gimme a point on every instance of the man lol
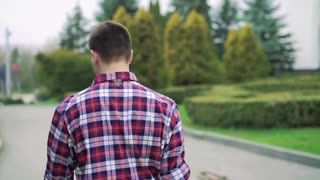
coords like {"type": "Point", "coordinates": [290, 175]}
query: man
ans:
{"type": "Point", "coordinates": [117, 128]}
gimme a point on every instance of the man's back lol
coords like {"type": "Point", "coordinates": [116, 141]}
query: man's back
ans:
{"type": "Point", "coordinates": [117, 129]}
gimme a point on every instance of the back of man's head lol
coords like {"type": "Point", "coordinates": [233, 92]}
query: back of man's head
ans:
{"type": "Point", "coordinates": [111, 41]}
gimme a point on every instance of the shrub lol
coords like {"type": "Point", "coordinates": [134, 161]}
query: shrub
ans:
{"type": "Point", "coordinates": [42, 94]}
{"type": "Point", "coordinates": [10, 101]}
{"type": "Point", "coordinates": [285, 83]}
{"type": "Point", "coordinates": [148, 63]}
{"type": "Point", "coordinates": [244, 58]}
{"type": "Point", "coordinates": [232, 106]}
{"type": "Point", "coordinates": [63, 71]}
{"type": "Point", "coordinates": [173, 46]}
{"type": "Point", "coordinates": [199, 63]}
{"type": "Point", "coordinates": [178, 94]}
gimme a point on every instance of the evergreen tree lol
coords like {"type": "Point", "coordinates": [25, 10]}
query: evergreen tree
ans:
{"type": "Point", "coordinates": [245, 58]}
{"type": "Point", "coordinates": [159, 20]}
{"type": "Point", "coordinates": [199, 64]}
{"type": "Point", "coordinates": [146, 63]}
{"type": "Point", "coordinates": [109, 7]}
{"type": "Point", "coordinates": [268, 28]}
{"type": "Point", "coordinates": [121, 16]}
{"type": "Point", "coordinates": [224, 18]}
{"type": "Point", "coordinates": [230, 57]}
{"type": "Point", "coordinates": [173, 44]}
{"type": "Point", "coordinates": [74, 37]}
{"type": "Point", "coordinates": [185, 7]}
{"type": "Point", "coordinates": [154, 8]}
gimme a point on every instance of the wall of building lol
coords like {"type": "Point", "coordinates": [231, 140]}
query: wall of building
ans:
{"type": "Point", "coordinates": [303, 19]}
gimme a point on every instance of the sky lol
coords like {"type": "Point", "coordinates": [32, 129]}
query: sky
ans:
{"type": "Point", "coordinates": [36, 23]}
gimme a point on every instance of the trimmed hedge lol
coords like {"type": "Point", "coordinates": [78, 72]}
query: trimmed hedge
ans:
{"type": "Point", "coordinates": [302, 113]}
{"type": "Point", "coordinates": [178, 94]}
{"type": "Point", "coordinates": [285, 83]}
{"type": "Point", "coordinates": [10, 101]}
{"type": "Point", "coordinates": [232, 106]}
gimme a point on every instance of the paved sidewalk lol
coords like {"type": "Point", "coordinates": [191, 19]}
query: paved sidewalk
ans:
{"type": "Point", "coordinates": [238, 164]}
{"type": "Point", "coordinates": [24, 131]}
{"type": "Point", "coordinates": [261, 149]}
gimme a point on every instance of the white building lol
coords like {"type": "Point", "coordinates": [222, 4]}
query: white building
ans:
{"type": "Point", "coordinates": [302, 18]}
{"type": "Point", "coordinates": [303, 21]}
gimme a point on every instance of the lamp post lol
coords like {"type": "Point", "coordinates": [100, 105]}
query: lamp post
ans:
{"type": "Point", "coordinates": [8, 65]}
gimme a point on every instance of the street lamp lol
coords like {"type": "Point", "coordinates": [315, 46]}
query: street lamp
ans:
{"type": "Point", "coordinates": [8, 64]}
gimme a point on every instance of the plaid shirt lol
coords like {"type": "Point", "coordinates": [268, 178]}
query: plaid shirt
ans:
{"type": "Point", "coordinates": [116, 129]}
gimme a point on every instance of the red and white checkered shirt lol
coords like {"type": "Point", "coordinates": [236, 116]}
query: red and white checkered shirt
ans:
{"type": "Point", "coordinates": [116, 129]}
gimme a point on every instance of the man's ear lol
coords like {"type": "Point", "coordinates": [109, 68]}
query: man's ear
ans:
{"type": "Point", "coordinates": [94, 57]}
{"type": "Point", "coordinates": [131, 57]}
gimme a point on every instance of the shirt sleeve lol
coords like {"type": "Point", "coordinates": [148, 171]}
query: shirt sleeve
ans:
{"type": "Point", "coordinates": [60, 163]}
{"type": "Point", "coordinates": [173, 165]}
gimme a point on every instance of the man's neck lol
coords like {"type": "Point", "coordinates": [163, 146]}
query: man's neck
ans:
{"type": "Point", "coordinates": [114, 67]}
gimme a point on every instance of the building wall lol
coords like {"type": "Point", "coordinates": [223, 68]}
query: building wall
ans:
{"type": "Point", "coordinates": [303, 19]}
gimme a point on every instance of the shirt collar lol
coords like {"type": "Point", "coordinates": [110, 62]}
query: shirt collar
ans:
{"type": "Point", "coordinates": [115, 76]}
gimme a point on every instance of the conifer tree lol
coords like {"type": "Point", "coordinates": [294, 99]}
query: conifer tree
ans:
{"type": "Point", "coordinates": [199, 64]}
{"type": "Point", "coordinates": [121, 16]}
{"type": "Point", "coordinates": [184, 7]}
{"type": "Point", "coordinates": [268, 28]}
{"type": "Point", "coordinates": [224, 18]}
{"type": "Point", "coordinates": [230, 58]}
{"type": "Point", "coordinates": [74, 36]}
{"type": "Point", "coordinates": [154, 8]}
{"type": "Point", "coordinates": [245, 58]}
{"type": "Point", "coordinates": [173, 44]}
{"type": "Point", "coordinates": [147, 64]}
{"type": "Point", "coordinates": [109, 7]}
{"type": "Point", "coordinates": [159, 20]}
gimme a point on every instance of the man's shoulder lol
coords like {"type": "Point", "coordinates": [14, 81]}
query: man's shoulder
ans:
{"type": "Point", "coordinates": [70, 101]}
{"type": "Point", "coordinates": [161, 98]}
{"type": "Point", "coordinates": [164, 98]}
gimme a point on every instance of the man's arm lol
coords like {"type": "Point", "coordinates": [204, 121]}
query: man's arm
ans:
{"type": "Point", "coordinates": [173, 165]}
{"type": "Point", "coordinates": [59, 154]}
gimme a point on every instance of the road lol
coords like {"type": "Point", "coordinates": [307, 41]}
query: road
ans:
{"type": "Point", "coordinates": [24, 131]}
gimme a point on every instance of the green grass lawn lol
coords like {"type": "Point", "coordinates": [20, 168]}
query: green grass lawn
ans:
{"type": "Point", "coordinates": [301, 139]}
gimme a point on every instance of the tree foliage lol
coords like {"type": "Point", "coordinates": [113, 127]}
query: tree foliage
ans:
{"type": "Point", "coordinates": [147, 63]}
{"type": "Point", "coordinates": [58, 70]}
{"type": "Point", "coordinates": [74, 36]}
{"type": "Point", "coordinates": [269, 30]}
{"type": "Point", "coordinates": [198, 64]}
{"type": "Point", "coordinates": [224, 18]}
{"type": "Point", "coordinates": [154, 8]}
{"type": "Point", "coordinates": [109, 7]}
{"type": "Point", "coordinates": [244, 58]}
{"type": "Point", "coordinates": [173, 44]}
{"type": "Point", "coordinates": [230, 57]}
{"type": "Point", "coordinates": [121, 16]}
{"type": "Point", "coordinates": [185, 7]}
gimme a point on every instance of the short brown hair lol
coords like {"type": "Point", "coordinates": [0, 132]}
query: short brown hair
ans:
{"type": "Point", "coordinates": [111, 41]}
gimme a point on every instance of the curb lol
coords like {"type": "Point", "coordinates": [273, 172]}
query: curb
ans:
{"type": "Point", "coordinates": [262, 149]}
